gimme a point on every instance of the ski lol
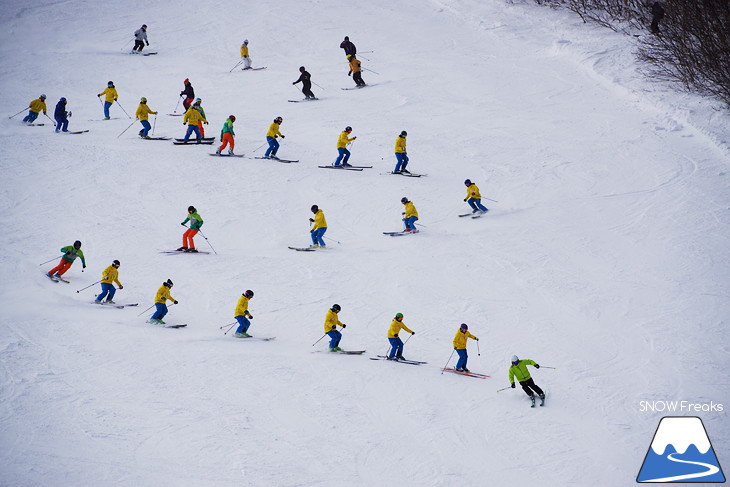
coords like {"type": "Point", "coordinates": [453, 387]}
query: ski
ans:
{"type": "Point", "coordinates": [61, 279]}
{"type": "Point", "coordinates": [104, 119]}
{"type": "Point", "coordinates": [468, 374]}
{"type": "Point", "coordinates": [360, 167]}
{"type": "Point", "coordinates": [303, 249]}
{"type": "Point", "coordinates": [76, 132]}
{"type": "Point", "coordinates": [149, 53]}
{"type": "Point", "coordinates": [195, 142]}
{"type": "Point", "coordinates": [408, 175]}
{"type": "Point", "coordinates": [192, 140]}
{"type": "Point", "coordinates": [303, 100]}
{"type": "Point", "coordinates": [383, 357]}
{"type": "Point", "coordinates": [356, 87]}
{"type": "Point", "coordinates": [52, 278]}
{"type": "Point", "coordinates": [397, 234]}
{"type": "Point", "coordinates": [227, 155]}
{"type": "Point", "coordinates": [350, 352]}
{"type": "Point", "coordinates": [344, 168]}
{"type": "Point", "coordinates": [35, 124]}
{"type": "Point", "coordinates": [182, 252]}
{"type": "Point", "coordinates": [175, 114]}
{"type": "Point", "coordinates": [466, 214]}
{"type": "Point", "coordinates": [278, 160]}
{"type": "Point", "coordinates": [262, 339]}
{"type": "Point", "coordinates": [254, 69]}
{"type": "Point", "coordinates": [479, 214]}
{"type": "Point", "coordinates": [175, 326]}
{"type": "Point", "coordinates": [155, 138]}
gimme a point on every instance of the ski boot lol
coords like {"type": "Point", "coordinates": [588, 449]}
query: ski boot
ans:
{"type": "Point", "coordinates": [182, 249]}
{"type": "Point", "coordinates": [532, 398]}
{"type": "Point", "coordinates": [192, 250]}
{"type": "Point", "coordinates": [542, 399]}
{"type": "Point", "coordinates": [217, 152]}
{"type": "Point", "coordinates": [230, 152]}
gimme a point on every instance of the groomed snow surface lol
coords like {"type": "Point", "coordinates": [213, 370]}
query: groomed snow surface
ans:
{"type": "Point", "coordinates": [605, 256]}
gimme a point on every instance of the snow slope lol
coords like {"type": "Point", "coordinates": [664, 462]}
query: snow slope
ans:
{"type": "Point", "coordinates": [603, 256]}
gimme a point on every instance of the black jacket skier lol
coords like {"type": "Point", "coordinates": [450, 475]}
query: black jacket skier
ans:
{"type": "Point", "coordinates": [348, 46]}
{"type": "Point", "coordinates": [304, 78]}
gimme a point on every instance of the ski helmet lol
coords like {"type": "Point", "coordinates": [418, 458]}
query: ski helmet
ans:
{"type": "Point", "coordinates": [467, 182]}
{"type": "Point", "coordinates": [167, 283]}
{"type": "Point", "coordinates": [143, 100]}
{"type": "Point", "coordinates": [77, 244]}
{"type": "Point", "coordinates": [315, 208]}
{"type": "Point", "coordinates": [110, 83]}
{"type": "Point", "coordinates": [399, 316]}
{"type": "Point", "coordinates": [404, 200]}
{"type": "Point", "coordinates": [248, 294]}
{"type": "Point", "coordinates": [245, 41]}
{"type": "Point", "coordinates": [63, 99]}
{"type": "Point", "coordinates": [198, 101]}
{"type": "Point", "coordinates": [43, 96]}
{"type": "Point", "coordinates": [232, 117]}
{"type": "Point", "coordinates": [348, 129]}
{"type": "Point", "coordinates": [515, 360]}
{"type": "Point", "coordinates": [186, 81]}
{"type": "Point", "coordinates": [278, 120]}
{"type": "Point", "coordinates": [464, 326]}
{"type": "Point", "coordinates": [403, 134]}
{"type": "Point", "coordinates": [115, 263]}
{"type": "Point", "coordinates": [302, 69]}
{"type": "Point", "coordinates": [336, 308]}
{"type": "Point", "coordinates": [347, 38]}
{"type": "Point", "coordinates": [191, 209]}
{"type": "Point", "coordinates": [144, 26]}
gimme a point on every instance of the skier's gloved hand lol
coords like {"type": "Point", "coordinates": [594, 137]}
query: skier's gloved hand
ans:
{"type": "Point", "coordinates": [175, 302]}
{"type": "Point", "coordinates": [466, 199]}
{"type": "Point", "coordinates": [348, 74]}
{"type": "Point", "coordinates": [121, 287]}
{"type": "Point", "coordinates": [475, 338]}
{"type": "Point", "coordinates": [311, 220]}
{"type": "Point", "coordinates": [83, 266]}
{"type": "Point", "coordinates": [344, 325]}
{"type": "Point", "coordinates": [454, 348]}
{"type": "Point", "coordinates": [283, 136]}
{"type": "Point", "coordinates": [513, 385]}
{"type": "Point", "coordinates": [413, 333]}
{"type": "Point", "coordinates": [334, 327]}
{"type": "Point", "coordinates": [183, 223]}
{"type": "Point", "coordinates": [537, 366]}
{"type": "Point", "coordinates": [147, 43]}
{"type": "Point", "coordinates": [250, 317]}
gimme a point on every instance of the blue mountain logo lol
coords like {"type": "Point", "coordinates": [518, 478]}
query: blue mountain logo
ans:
{"type": "Point", "coordinates": [680, 452]}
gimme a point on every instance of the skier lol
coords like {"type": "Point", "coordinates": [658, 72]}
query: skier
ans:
{"type": "Point", "coordinates": [241, 313]}
{"type": "Point", "coordinates": [348, 46]}
{"type": "Point", "coordinates": [61, 116]}
{"type": "Point", "coordinates": [331, 320]}
{"type": "Point", "coordinates": [460, 346]}
{"type": "Point", "coordinates": [193, 118]}
{"type": "Point", "coordinates": [34, 108]}
{"type": "Point", "coordinates": [244, 55]}
{"type": "Point", "coordinates": [197, 105]}
{"type": "Point", "coordinates": [401, 156]}
{"type": "Point", "coordinates": [657, 14]}
{"type": "Point", "coordinates": [318, 228]}
{"type": "Point", "coordinates": [355, 70]}
{"type": "Point", "coordinates": [143, 115]}
{"type": "Point", "coordinates": [474, 198]}
{"type": "Point", "coordinates": [227, 135]}
{"type": "Point", "coordinates": [342, 142]}
{"type": "Point", "coordinates": [189, 93]}
{"type": "Point", "coordinates": [271, 138]}
{"type": "Point", "coordinates": [305, 78]}
{"type": "Point", "coordinates": [109, 276]}
{"type": "Point", "coordinates": [409, 216]}
{"type": "Point", "coordinates": [163, 294]}
{"type": "Point", "coordinates": [396, 344]}
{"type": "Point", "coordinates": [518, 370]}
{"type": "Point", "coordinates": [70, 253]}
{"type": "Point", "coordinates": [140, 38]}
{"type": "Point", "coordinates": [195, 223]}
{"type": "Point", "coordinates": [110, 96]}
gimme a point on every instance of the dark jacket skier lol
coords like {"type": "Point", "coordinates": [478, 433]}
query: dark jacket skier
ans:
{"type": "Point", "coordinates": [304, 78]}
{"type": "Point", "coordinates": [189, 94]}
{"type": "Point", "coordinates": [349, 47]}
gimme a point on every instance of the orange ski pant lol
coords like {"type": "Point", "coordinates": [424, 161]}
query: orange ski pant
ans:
{"type": "Point", "coordinates": [227, 140]}
{"type": "Point", "coordinates": [188, 238]}
{"type": "Point", "coordinates": [61, 268]}
{"type": "Point", "coordinates": [202, 131]}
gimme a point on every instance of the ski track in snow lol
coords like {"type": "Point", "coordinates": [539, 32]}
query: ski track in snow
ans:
{"type": "Point", "coordinates": [603, 256]}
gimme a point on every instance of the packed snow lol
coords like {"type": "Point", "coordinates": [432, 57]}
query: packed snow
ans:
{"type": "Point", "coordinates": [604, 254]}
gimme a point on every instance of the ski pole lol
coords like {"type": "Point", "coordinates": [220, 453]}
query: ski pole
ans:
{"type": "Point", "coordinates": [206, 239]}
{"type": "Point", "coordinates": [230, 327]}
{"type": "Point", "coordinates": [143, 312]}
{"type": "Point", "coordinates": [154, 124]}
{"type": "Point", "coordinates": [479, 354]}
{"type": "Point", "coordinates": [447, 362]}
{"type": "Point", "coordinates": [130, 126]}
{"type": "Point", "coordinates": [257, 148]}
{"type": "Point", "coordinates": [125, 44]}
{"type": "Point", "coordinates": [87, 287]}
{"type": "Point", "coordinates": [24, 109]}
{"type": "Point", "coordinates": [227, 324]}
{"type": "Point", "coordinates": [333, 240]}
{"type": "Point", "coordinates": [234, 67]}
{"type": "Point", "coordinates": [46, 262]}
{"type": "Point", "coordinates": [366, 52]}
{"type": "Point", "coordinates": [125, 111]}
{"type": "Point", "coordinates": [490, 199]}
{"type": "Point", "coordinates": [504, 389]}
{"type": "Point", "coordinates": [99, 98]}
{"type": "Point", "coordinates": [546, 367]}
{"type": "Point", "coordinates": [315, 84]}
{"type": "Point", "coordinates": [178, 104]}
{"type": "Point", "coordinates": [375, 72]}
{"type": "Point", "coordinates": [313, 344]}
{"type": "Point", "coordinates": [49, 118]}
{"type": "Point", "coordinates": [363, 57]}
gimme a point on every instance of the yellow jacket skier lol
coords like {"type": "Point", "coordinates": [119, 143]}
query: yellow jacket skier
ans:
{"type": "Point", "coordinates": [108, 277]}
{"type": "Point", "coordinates": [331, 321]}
{"type": "Point", "coordinates": [396, 344]}
{"type": "Point", "coordinates": [163, 294]}
{"type": "Point", "coordinates": [460, 346]}
{"type": "Point", "coordinates": [242, 313]}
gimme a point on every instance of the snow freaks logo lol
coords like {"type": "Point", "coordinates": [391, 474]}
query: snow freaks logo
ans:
{"type": "Point", "coordinates": [680, 452]}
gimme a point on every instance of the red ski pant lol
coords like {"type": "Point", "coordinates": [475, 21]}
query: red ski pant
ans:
{"type": "Point", "coordinates": [61, 268]}
{"type": "Point", "coordinates": [227, 140]}
{"type": "Point", "coordinates": [188, 238]}
{"type": "Point", "coordinates": [202, 130]}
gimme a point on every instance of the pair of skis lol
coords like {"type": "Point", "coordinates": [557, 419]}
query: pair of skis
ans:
{"type": "Point", "coordinates": [182, 252]}
{"type": "Point", "coordinates": [464, 372]}
{"type": "Point", "coordinates": [118, 306]}
{"type": "Point", "coordinates": [286, 161]}
{"type": "Point", "coordinates": [399, 360]}
{"type": "Point", "coordinates": [346, 168]}
{"type": "Point", "coordinates": [474, 215]}
{"type": "Point", "coordinates": [167, 326]}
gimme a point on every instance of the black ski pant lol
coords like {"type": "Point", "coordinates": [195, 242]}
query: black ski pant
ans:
{"type": "Point", "coordinates": [138, 45]}
{"type": "Point", "coordinates": [529, 385]}
{"type": "Point", "coordinates": [358, 79]}
{"type": "Point", "coordinates": [307, 90]}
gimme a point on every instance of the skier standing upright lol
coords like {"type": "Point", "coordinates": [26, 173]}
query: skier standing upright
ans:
{"type": "Point", "coordinates": [349, 47]}
{"type": "Point", "coordinates": [410, 215]}
{"type": "Point", "coordinates": [518, 370]}
{"type": "Point", "coordinates": [244, 55]}
{"type": "Point", "coordinates": [189, 93]}
{"type": "Point", "coordinates": [331, 320]}
{"type": "Point", "coordinates": [401, 156]}
{"type": "Point", "coordinates": [110, 96]}
{"type": "Point", "coordinates": [108, 277]}
{"type": "Point", "coordinates": [61, 116]}
{"type": "Point", "coordinates": [460, 346]}
{"type": "Point", "coordinates": [271, 136]}
{"type": "Point", "coordinates": [227, 136]}
{"type": "Point", "coordinates": [355, 70]}
{"type": "Point", "coordinates": [343, 155]}
{"type": "Point", "coordinates": [474, 197]}
{"type": "Point", "coordinates": [305, 79]}
{"type": "Point", "coordinates": [319, 226]}
{"type": "Point", "coordinates": [163, 294]}
{"type": "Point", "coordinates": [140, 38]}
{"type": "Point", "coordinates": [241, 314]}
{"type": "Point", "coordinates": [193, 119]}
{"type": "Point", "coordinates": [188, 245]}
{"type": "Point", "coordinates": [143, 115]}
{"type": "Point", "coordinates": [396, 344]}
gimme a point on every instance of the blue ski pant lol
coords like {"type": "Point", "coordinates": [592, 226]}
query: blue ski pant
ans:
{"type": "Point", "coordinates": [461, 363]}
{"type": "Point", "coordinates": [317, 236]}
{"type": "Point", "coordinates": [335, 337]}
{"type": "Point", "coordinates": [107, 104]}
{"type": "Point", "coordinates": [30, 118]}
{"type": "Point", "coordinates": [476, 204]}
{"type": "Point", "coordinates": [191, 129]}
{"type": "Point", "coordinates": [161, 311]}
{"type": "Point", "coordinates": [61, 124]}
{"type": "Point", "coordinates": [402, 159]}
{"type": "Point", "coordinates": [107, 291]}
{"type": "Point", "coordinates": [273, 146]}
{"type": "Point", "coordinates": [146, 127]}
{"type": "Point", "coordinates": [343, 156]}
{"type": "Point", "coordinates": [410, 222]}
{"type": "Point", "coordinates": [243, 324]}
{"type": "Point", "coordinates": [396, 347]}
